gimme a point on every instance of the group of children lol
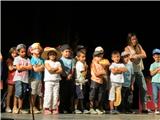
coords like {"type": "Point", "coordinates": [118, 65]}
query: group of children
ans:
{"type": "Point", "coordinates": [65, 80]}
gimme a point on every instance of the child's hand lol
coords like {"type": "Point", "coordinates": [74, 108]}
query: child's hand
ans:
{"type": "Point", "coordinates": [132, 87]}
{"type": "Point", "coordinates": [69, 76]}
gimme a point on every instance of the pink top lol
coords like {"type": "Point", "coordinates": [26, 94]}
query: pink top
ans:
{"type": "Point", "coordinates": [10, 73]}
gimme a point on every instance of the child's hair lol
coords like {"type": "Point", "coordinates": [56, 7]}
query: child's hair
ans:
{"type": "Point", "coordinates": [20, 46]}
{"type": "Point", "coordinates": [80, 52]}
{"type": "Point", "coordinates": [115, 52]}
{"type": "Point", "coordinates": [12, 49]}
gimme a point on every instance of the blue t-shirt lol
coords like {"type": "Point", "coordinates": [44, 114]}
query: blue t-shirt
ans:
{"type": "Point", "coordinates": [156, 77]}
{"type": "Point", "coordinates": [36, 61]}
{"type": "Point", "coordinates": [128, 74]}
{"type": "Point", "coordinates": [67, 65]}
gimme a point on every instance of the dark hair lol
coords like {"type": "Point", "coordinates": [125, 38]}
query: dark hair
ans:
{"type": "Point", "coordinates": [80, 52]}
{"type": "Point", "coordinates": [10, 52]}
{"type": "Point", "coordinates": [52, 53]}
{"type": "Point", "coordinates": [115, 52]}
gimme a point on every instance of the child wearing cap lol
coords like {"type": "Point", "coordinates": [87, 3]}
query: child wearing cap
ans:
{"type": "Point", "coordinates": [97, 86]}
{"type": "Point", "coordinates": [36, 75]}
{"type": "Point", "coordinates": [128, 85]}
{"type": "Point", "coordinates": [117, 69]}
{"type": "Point", "coordinates": [52, 78]}
{"type": "Point", "coordinates": [155, 73]}
{"type": "Point", "coordinates": [67, 83]}
{"type": "Point", "coordinates": [21, 77]}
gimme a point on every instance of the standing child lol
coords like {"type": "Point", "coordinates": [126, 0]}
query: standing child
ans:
{"type": "Point", "coordinates": [36, 75]}
{"type": "Point", "coordinates": [97, 87]}
{"type": "Point", "coordinates": [11, 73]}
{"type": "Point", "coordinates": [128, 85]}
{"type": "Point", "coordinates": [155, 73]}
{"type": "Point", "coordinates": [67, 83]}
{"type": "Point", "coordinates": [51, 78]}
{"type": "Point", "coordinates": [81, 71]}
{"type": "Point", "coordinates": [117, 69]}
{"type": "Point", "coordinates": [22, 64]}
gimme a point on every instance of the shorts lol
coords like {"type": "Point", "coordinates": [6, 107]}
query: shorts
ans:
{"type": "Point", "coordinates": [36, 87]}
{"type": "Point", "coordinates": [79, 92]}
{"type": "Point", "coordinates": [21, 89]}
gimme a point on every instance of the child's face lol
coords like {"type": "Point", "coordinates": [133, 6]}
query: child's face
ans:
{"type": "Point", "coordinates": [99, 57]}
{"type": "Point", "coordinates": [52, 56]}
{"type": "Point", "coordinates": [22, 52]}
{"type": "Point", "coordinates": [125, 59]}
{"type": "Point", "coordinates": [134, 40]}
{"type": "Point", "coordinates": [82, 57]}
{"type": "Point", "coordinates": [116, 58]}
{"type": "Point", "coordinates": [66, 53]}
{"type": "Point", "coordinates": [14, 54]}
{"type": "Point", "coordinates": [156, 57]}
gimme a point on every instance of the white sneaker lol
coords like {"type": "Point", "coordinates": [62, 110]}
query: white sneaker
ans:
{"type": "Point", "coordinates": [157, 112]}
{"type": "Point", "coordinates": [86, 111]}
{"type": "Point", "coordinates": [92, 111]}
{"type": "Point", "coordinates": [77, 112]}
{"type": "Point", "coordinates": [8, 110]}
{"type": "Point", "coordinates": [99, 111]}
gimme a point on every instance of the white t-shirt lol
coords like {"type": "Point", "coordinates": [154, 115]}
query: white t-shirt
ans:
{"type": "Point", "coordinates": [79, 68]}
{"type": "Point", "coordinates": [21, 75]}
{"type": "Point", "coordinates": [116, 78]}
{"type": "Point", "coordinates": [52, 77]}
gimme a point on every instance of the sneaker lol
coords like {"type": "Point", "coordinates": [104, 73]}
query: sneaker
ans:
{"type": "Point", "coordinates": [15, 110]}
{"type": "Point", "coordinates": [92, 111]}
{"type": "Point", "coordinates": [86, 111]}
{"type": "Point", "coordinates": [35, 110]}
{"type": "Point", "coordinates": [47, 112]}
{"type": "Point", "coordinates": [77, 112]}
{"type": "Point", "coordinates": [114, 112]}
{"type": "Point", "coordinates": [55, 111]}
{"type": "Point", "coordinates": [99, 111]}
{"type": "Point", "coordinates": [8, 110]}
{"type": "Point", "coordinates": [23, 111]}
{"type": "Point", "coordinates": [157, 112]}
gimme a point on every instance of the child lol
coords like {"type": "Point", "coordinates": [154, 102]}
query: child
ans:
{"type": "Point", "coordinates": [51, 78]}
{"type": "Point", "coordinates": [11, 73]}
{"type": "Point", "coordinates": [127, 86]}
{"type": "Point", "coordinates": [155, 73]}
{"type": "Point", "coordinates": [67, 83]}
{"type": "Point", "coordinates": [81, 71]}
{"type": "Point", "coordinates": [22, 64]}
{"type": "Point", "coordinates": [117, 69]}
{"type": "Point", "coordinates": [97, 87]}
{"type": "Point", "coordinates": [36, 75]}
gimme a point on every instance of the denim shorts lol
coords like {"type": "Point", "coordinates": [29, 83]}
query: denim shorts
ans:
{"type": "Point", "coordinates": [21, 89]}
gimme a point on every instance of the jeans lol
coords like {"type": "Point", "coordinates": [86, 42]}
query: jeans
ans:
{"type": "Point", "coordinates": [155, 91]}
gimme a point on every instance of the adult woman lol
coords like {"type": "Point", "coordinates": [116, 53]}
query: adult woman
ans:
{"type": "Point", "coordinates": [136, 55]}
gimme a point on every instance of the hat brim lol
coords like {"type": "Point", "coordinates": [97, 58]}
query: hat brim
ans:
{"type": "Point", "coordinates": [45, 53]}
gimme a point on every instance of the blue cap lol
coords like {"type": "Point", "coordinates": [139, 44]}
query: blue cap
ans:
{"type": "Point", "coordinates": [156, 51]}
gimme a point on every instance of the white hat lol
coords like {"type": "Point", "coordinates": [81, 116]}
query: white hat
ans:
{"type": "Point", "coordinates": [99, 48]}
{"type": "Point", "coordinates": [124, 53]}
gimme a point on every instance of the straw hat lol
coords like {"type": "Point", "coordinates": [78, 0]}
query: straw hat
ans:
{"type": "Point", "coordinates": [49, 49]}
{"type": "Point", "coordinates": [117, 101]}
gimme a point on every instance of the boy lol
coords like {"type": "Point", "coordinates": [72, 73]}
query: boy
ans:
{"type": "Point", "coordinates": [155, 73]}
{"type": "Point", "coordinates": [117, 69]}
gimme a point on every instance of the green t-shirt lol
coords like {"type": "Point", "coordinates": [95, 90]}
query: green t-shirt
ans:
{"type": "Point", "coordinates": [156, 77]}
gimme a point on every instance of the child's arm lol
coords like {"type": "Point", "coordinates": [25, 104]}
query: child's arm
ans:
{"type": "Point", "coordinates": [51, 70]}
{"type": "Point", "coordinates": [38, 68]}
{"type": "Point", "coordinates": [59, 71]}
{"type": "Point", "coordinates": [119, 70]}
{"type": "Point", "coordinates": [155, 71]}
{"type": "Point", "coordinates": [97, 73]}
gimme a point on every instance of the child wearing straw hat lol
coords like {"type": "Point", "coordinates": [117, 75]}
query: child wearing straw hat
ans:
{"type": "Point", "coordinates": [52, 78]}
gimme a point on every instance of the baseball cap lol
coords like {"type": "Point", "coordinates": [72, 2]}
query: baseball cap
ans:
{"type": "Point", "coordinates": [156, 51]}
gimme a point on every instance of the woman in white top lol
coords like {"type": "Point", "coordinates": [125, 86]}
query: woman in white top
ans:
{"type": "Point", "coordinates": [136, 55]}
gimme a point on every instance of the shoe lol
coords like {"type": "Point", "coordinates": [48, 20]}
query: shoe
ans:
{"type": "Point", "coordinates": [77, 112]}
{"type": "Point", "coordinates": [99, 111]}
{"type": "Point", "coordinates": [157, 112]}
{"type": "Point", "coordinates": [35, 110]}
{"type": "Point", "coordinates": [92, 111]}
{"type": "Point", "coordinates": [8, 110]}
{"type": "Point", "coordinates": [86, 111]}
{"type": "Point", "coordinates": [114, 112]}
{"type": "Point", "coordinates": [55, 111]}
{"type": "Point", "coordinates": [15, 110]}
{"type": "Point", "coordinates": [22, 111]}
{"type": "Point", "coordinates": [145, 111]}
{"type": "Point", "coordinates": [47, 112]}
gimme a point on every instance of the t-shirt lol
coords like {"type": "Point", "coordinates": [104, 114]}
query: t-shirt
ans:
{"type": "Point", "coordinates": [36, 61]}
{"type": "Point", "coordinates": [79, 68]}
{"type": "Point", "coordinates": [67, 65]}
{"type": "Point", "coordinates": [156, 77]}
{"type": "Point", "coordinates": [21, 75]}
{"type": "Point", "coordinates": [52, 77]}
{"type": "Point", "coordinates": [116, 78]}
{"type": "Point", "coordinates": [128, 74]}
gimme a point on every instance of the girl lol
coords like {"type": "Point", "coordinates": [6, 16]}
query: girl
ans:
{"type": "Point", "coordinates": [11, 73]}
{"type": "Point", "coordinates": [51, 78]}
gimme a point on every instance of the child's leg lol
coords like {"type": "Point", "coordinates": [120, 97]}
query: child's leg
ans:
{"type": "Point", "coordinates": [20, 103]}
{"type": "Point", "coordinates": [155, 95]}
{"type": "Point", "coordinates": [55, 94]}
{"type": "Point", "coordinates": [112, 96]}
{"type": "Point", "coordinates": [9, 94]}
